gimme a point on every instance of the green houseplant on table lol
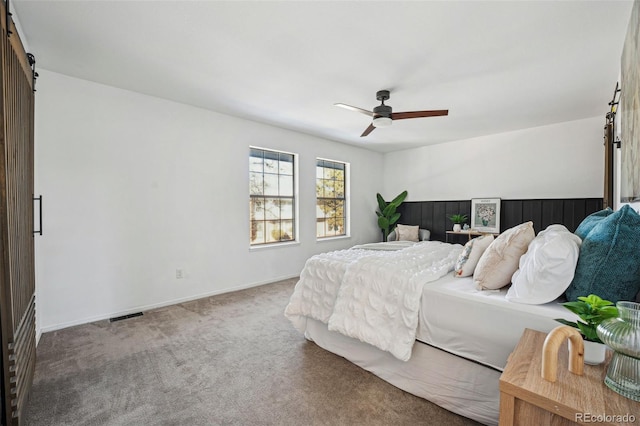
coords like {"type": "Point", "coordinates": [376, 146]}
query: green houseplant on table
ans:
{"type": "Point", "coordinates": [387, 215]}
{"type": "Point", "coordinates": [458, 220]}
{"type": "Point", "coordinates": [592, 310]}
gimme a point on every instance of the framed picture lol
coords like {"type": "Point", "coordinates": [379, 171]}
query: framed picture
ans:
{"type": "Point", "coordinates": [485, 215]}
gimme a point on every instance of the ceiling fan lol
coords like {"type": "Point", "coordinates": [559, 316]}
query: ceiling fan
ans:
{"type": "Point", "coordinates": [383, 115]}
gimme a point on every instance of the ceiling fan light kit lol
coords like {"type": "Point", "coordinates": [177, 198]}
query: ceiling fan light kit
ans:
{"type": "Point", "coordinates": [383, 115]}
{"type": "Point", "coordinates": [382, 122]}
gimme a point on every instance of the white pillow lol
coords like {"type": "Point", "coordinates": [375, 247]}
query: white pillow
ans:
{"type": "Point", "coordinates": [546, 270]}
{"type": "Point", "coordinates": [468, 259]}
{"type": "Point", "coordinates": [498, 263]}
{"type": "Point", "coordinates": [407, 233]}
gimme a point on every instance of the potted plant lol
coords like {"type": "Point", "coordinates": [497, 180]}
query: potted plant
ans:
{"type": "Point", "coordinates": [387, 215]}
{"type": "Point", "coordinates": [592, 310]}
{"type": "Point", "coordinates": [458, 220]}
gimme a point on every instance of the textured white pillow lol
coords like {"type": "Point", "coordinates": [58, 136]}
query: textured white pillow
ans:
{"type": "Point", "coordinates": [546, 270]}
{"type": "Point", "coordinates": [498, 263]}
{"type": "Point", "coordinates": [407, 233]}
{"type": "Point", "coordinates": [468, 259]}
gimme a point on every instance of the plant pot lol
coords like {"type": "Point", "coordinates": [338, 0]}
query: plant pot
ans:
{"type": "Point", "coordinates": [456, 227]}
{"type": "Point", "coordinates": [594, 352]}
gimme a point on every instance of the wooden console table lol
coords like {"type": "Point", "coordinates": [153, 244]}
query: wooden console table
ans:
{"type": "Point", "coordinates": [527, 399]}
{"type": "Point", "coordinates": [469, 234]}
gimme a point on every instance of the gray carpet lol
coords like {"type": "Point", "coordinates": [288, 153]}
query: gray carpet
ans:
{"type": "Point", "coordinates": [231, 359]}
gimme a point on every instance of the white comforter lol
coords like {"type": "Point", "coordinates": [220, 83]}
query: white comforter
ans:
{"type": "Point", "coordinates": [370, 295]}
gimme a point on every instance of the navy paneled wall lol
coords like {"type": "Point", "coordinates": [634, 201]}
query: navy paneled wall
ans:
{"type": "Point", "coordinates": [432, 215]}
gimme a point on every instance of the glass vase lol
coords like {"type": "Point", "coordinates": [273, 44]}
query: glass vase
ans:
{"type": "Point", "coordinates": [622, 334]}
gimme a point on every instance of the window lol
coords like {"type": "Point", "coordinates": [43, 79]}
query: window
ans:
{"type": "Point", "coordinates": [271, 196]}
{"type": "Point", "coordinates": [331, 200]}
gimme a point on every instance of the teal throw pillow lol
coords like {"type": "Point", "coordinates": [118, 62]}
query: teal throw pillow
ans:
{"type": "Point", "coordinates": [609, 261]}
{"type": "Point", "coordinates": [592, 220]}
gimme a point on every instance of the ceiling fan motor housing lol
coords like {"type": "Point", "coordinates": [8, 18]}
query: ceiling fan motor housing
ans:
{"type": "Point", "coordinates": [382, 111]}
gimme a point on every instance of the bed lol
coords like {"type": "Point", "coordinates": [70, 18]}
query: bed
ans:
{"type": "Point", "coordinates": [458, 337]}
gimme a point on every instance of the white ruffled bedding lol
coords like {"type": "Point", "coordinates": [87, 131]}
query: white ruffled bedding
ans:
{"type": "Point", "coordinates": [370, 295]}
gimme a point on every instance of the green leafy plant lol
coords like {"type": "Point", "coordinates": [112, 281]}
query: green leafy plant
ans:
{"type": "Point", "coordinates": [592, 310]}
{"type": "Point", "coordinates": [387, 215]}
{"type": "Point", "coordinates": [458, 218]}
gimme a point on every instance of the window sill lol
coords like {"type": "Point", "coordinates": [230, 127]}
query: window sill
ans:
{"type": "Point", "coordinates": [341, 237]}
{"type": "Point", "coordinates": [273, 246]}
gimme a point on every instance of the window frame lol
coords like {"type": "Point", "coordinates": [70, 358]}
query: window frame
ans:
{"type": "Point", "coordinates": [293, 197]}
{"type": "Point", "coordinates": [346, 200]}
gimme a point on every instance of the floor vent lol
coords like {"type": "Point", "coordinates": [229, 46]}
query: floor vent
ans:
{"type": "Point", "coordinates": [124, 317]}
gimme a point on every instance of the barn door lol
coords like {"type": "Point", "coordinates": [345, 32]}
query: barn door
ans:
{"type": "Point", "coordinates": [17, 266]}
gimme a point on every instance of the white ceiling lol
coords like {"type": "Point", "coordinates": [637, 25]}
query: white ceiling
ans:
{"type": "Point", "coordinates": [496, 65]}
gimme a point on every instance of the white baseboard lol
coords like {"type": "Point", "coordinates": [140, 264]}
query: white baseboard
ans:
{"type": "Point", "coordinates": [143, 308]}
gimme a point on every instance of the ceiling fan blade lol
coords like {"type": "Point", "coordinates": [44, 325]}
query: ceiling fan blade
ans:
{"type": "Point", "coordinates": [368, 130]}
{"type": "Point", "coordinates": [418, 114]}
{"type": "Point", "coordinates": [356, 109]}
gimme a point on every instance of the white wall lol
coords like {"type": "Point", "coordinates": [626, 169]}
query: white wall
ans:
{"type": "Point", "coordinates": [135, 187]}
{"type": "Point", "coordinates": [558, 161]}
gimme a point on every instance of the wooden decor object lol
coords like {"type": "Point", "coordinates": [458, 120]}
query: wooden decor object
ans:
{"type": "Point", "coordinates": [551, 346]}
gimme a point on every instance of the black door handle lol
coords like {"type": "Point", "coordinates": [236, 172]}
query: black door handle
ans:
{"type": "Point", "coordinates": [39, 231]}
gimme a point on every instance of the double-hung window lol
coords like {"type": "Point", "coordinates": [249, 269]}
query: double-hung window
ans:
{"type": "Point", "coordinates": [331, 198]}
{"type": "Point", "coordinates": [272, 203]}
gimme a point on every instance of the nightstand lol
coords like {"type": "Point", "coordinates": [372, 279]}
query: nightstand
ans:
{"type": "Point", "coordinates": [527, 399]}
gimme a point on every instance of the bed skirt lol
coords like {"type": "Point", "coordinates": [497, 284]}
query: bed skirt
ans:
{"type": "Point", "coordinates": [464, 387]}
